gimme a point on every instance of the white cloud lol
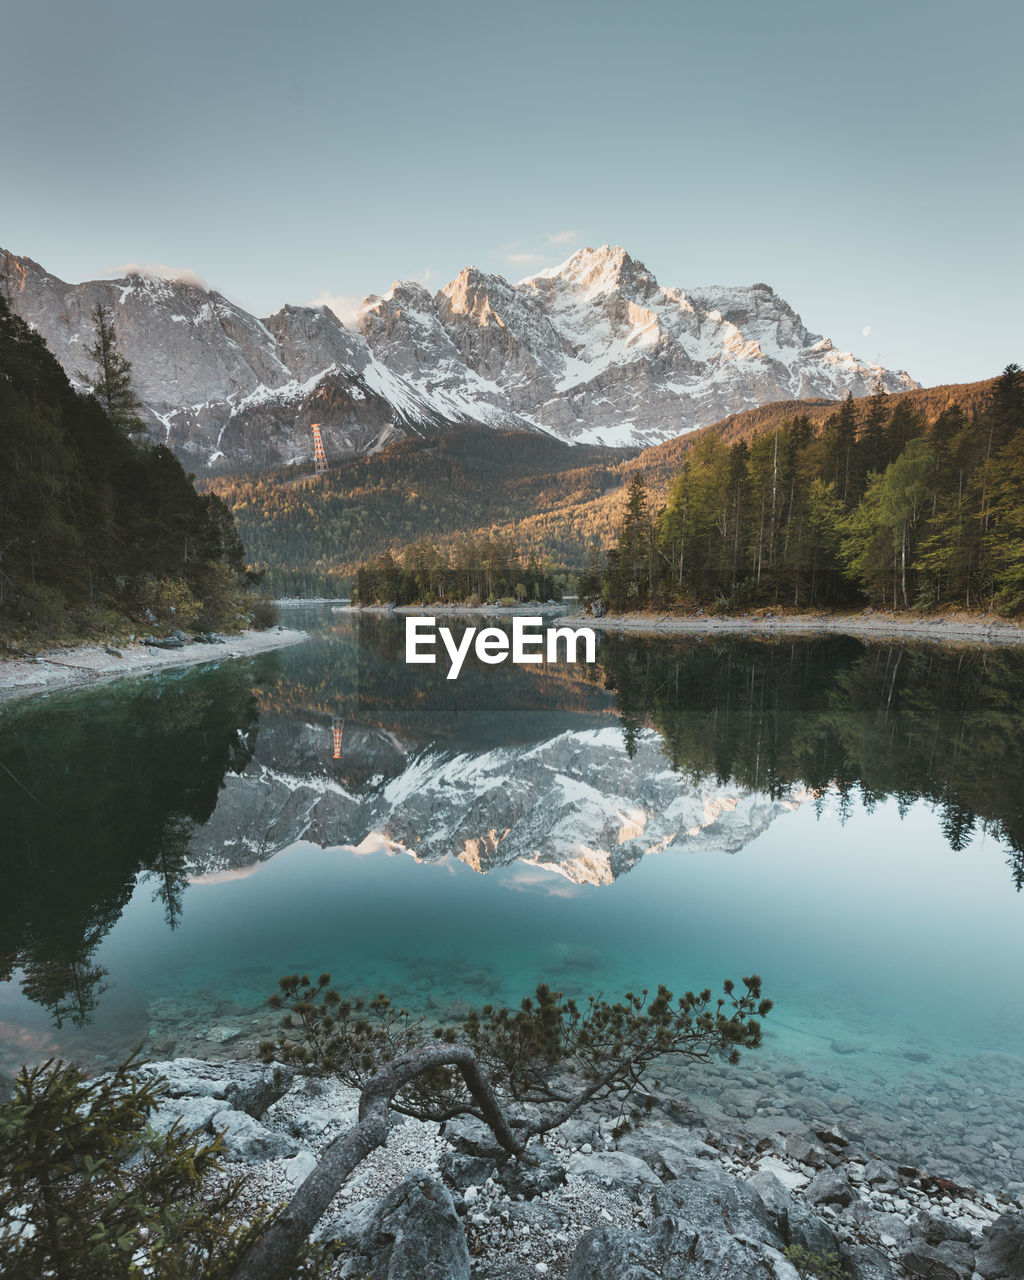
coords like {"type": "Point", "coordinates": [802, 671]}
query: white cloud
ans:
{"type": "Point", "coordinates": [551, 251]}
{"type": "Point", "coordinates": [866, 331]}
{"type": "Point", "coordinates": [346, 306]}
{"type": "Point", "coordinates": [524, 258]}
{"type": "Point", "coordinates": [158, 271]}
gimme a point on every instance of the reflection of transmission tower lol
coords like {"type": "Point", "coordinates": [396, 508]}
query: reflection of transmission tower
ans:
{"type": "Point", "coordinates": [336, 734]}
{"type": "Point", "coordinates": [319, 457]}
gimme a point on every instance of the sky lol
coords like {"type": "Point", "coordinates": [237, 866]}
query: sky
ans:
{"type": "Point", "coordinates": [863, 159]}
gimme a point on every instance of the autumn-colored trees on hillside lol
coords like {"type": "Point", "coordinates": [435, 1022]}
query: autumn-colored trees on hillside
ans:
{"type": "Point", "coordinates": [899, 512]}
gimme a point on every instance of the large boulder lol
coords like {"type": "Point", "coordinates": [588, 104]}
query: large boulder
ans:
{"type": "Point", "coordinates": [935, 1228]}
{"type": "Point", "coordinates": [473, 1137]}
{"type": "Point", "coordinates": [312, 1106]}
{"type": "Point", "coordinates": [246, 1086]}
{"type": "Point", "coordinates": [864, 1262]}
{"type": "Point", "coordinates": [615, 1170]}
{"type": "Point", "coordinates": [831, 1186]}
{"type": "Point", "coordinates": [673, 1250]}
{"type": "Point", "coordinates": [539, 1171]}
{"type": "Point", "coordinates": [937, 1262]}
{"type": "Point", "coordinates": [187, 1113]}
{"type": "Point", "coordinates": [1001, 1256]}
{"type": "Point", "coordinates": [709, 1199]}
{"type": "Point", "coordinates": [665, 1146]}
{"type": "Point", "coordinates": [794, 1223]}
{"type": "Point", "coordinates": [246, 1141]}
{"type": "Point", "coordinates": [415, 1234]}
{"type": "Point", "coordinates": [461, 1171]}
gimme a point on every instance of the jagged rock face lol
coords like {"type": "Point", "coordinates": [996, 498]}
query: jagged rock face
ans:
{"type": "Point", "coordinates": [592, 351]}
{"type": "Point", "coordinates": [576, 804]}
{"type": "Point", "coordinates": [219, 386]}
{"type": "Point", "coordinates": [405, 334]}
{"type": "Point", "coordinates": [502, 336]}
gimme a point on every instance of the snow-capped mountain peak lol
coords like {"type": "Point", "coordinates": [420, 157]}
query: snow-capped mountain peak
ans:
{"type": "Point", "coordinates": [596, 271]}
{"type": "Point", "coordinates": [592, 351]}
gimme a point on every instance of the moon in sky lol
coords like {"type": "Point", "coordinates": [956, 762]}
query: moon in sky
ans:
{"type": "Point", "coordinates": [866, 331]}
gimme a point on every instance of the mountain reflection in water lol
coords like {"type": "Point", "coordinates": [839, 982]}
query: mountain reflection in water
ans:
{"type": "Point", "coordinates": [666, 746]}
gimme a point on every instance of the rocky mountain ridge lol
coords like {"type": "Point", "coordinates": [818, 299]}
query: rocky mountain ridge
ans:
{"type": "Point", "coordinates": [592, 351]}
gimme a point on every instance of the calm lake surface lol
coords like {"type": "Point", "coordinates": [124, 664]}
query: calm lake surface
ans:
{"type": "Point", "coordinates": [845, 819]}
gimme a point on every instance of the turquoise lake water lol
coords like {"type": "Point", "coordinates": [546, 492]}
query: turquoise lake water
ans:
{"type": "Point", "coordinates": [844, 820]}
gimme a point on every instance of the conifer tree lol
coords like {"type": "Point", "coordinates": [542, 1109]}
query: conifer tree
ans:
{"type": "Point", "coordinates": [842, 428]}
{"type": "Point", "coordinates": [636, 546]}
{"type": "Point", "coordinates": [872, 444]}
{"type": "Point", "coordinates": [112, 384]}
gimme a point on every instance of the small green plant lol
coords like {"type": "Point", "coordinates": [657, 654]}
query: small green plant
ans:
{"type": "Point", "coordinates": [176, 605]}
{"type": "Point", "coordinates": [265, 614]}
{"type": "Point", "coordinates": [43, 609]}
{"type": "Point", "coordinates": [89, 1191]}
{"type": "Point", "coordinates": [815, 1266]}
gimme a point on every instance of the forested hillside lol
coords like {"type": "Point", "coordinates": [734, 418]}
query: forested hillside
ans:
{"type": "Point", "coordinates": [552, 502]}
{"type": "Point", "coordinates": [312, 532]}
{"type": "Point", "coordinates": [886, 506]}
{"type": "Point", "coordinates": [98, 531]}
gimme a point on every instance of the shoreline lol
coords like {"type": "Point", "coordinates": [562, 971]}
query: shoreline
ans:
{"type": "Point", "coordinates": [83, 666]}
{"type": "Point", "coordinates": [443, 610]}
{"type": "Point", "coordinates": [867, 625]}
{"type": "Point", "coordinates": [870, 624]}
{"type": "Point", "coordinates": [301, 602]}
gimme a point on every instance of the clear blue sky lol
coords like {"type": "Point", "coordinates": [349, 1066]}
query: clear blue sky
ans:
{"type": "Point", "coordinates": [864, 159]}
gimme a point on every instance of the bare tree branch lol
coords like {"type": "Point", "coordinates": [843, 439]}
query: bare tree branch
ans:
{"type": "Point", "coordinates": [269, 1257]}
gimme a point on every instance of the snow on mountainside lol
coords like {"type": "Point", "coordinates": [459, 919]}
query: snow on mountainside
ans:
{"type": "Point", "coordinates": [577, 804]}
{"type": "Point", "coordinates": [593, 351]}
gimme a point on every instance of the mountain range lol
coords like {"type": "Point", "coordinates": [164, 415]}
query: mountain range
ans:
{"type": "Point", "coordinates": [594, 351]}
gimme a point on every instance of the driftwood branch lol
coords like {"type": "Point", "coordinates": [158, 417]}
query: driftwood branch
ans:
{"type": "Point", "coordinates": [269, 1257]}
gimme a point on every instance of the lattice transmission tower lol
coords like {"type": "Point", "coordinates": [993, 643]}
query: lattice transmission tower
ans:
{"type": "Point", "coordinates": [336, 734]}
{"type": "Point", "coordinates": [319, 457]}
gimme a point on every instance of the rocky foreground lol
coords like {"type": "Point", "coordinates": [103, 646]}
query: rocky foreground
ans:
{"type": "Point", "coordinates": [666, 1200]}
